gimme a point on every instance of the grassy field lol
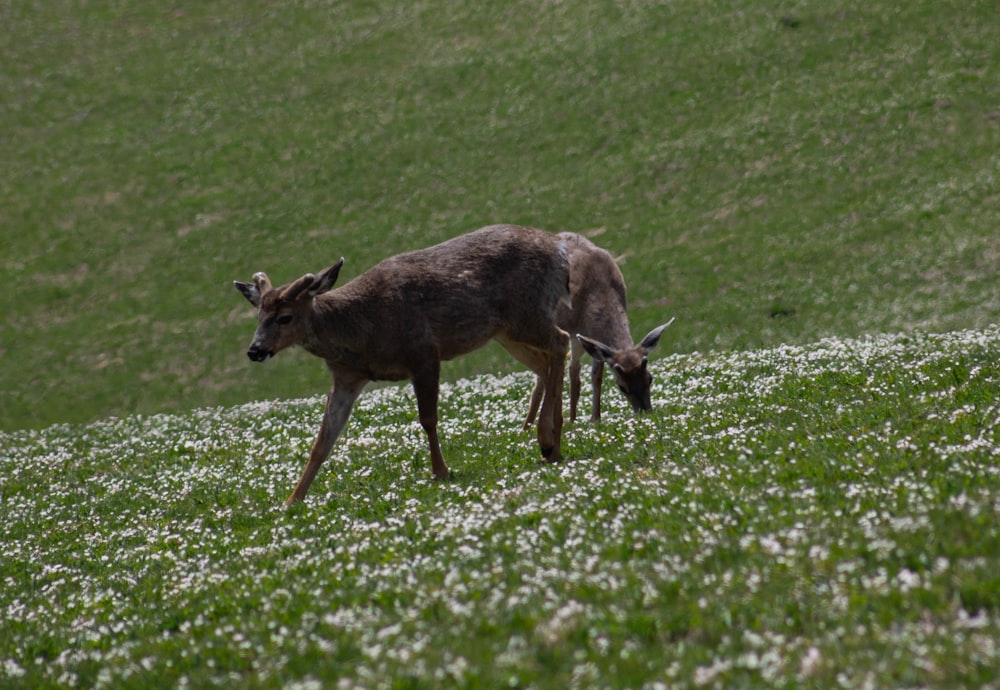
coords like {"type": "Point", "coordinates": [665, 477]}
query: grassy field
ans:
{"type": "Point", "coordinates": [802, 516]}
{"type": "Point", "coordinates": [811, 504]}
{"type": "Point", "coordinates": [770, 172]}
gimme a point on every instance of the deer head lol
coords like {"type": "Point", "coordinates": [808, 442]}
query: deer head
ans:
{"type": "Point", "coordinates": [629, 365]}
{"type": "Point", "coordinates": [284, 313]}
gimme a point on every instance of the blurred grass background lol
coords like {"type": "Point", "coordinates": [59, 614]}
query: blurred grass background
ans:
{"type": "Point", "coordinates": [768, 172]}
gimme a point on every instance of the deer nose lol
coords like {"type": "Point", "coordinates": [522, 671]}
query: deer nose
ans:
{"type": "Point", "coordinates": [258, 354]}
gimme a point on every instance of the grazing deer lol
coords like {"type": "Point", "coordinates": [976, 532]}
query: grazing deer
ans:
{"type": "Point", "coordinates": [597, 293]}
{"type": "Point", "coordinates": [401, 318]}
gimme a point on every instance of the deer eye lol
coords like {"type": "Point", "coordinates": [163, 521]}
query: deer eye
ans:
{"type": "Point", "coordinates": [284, 319]}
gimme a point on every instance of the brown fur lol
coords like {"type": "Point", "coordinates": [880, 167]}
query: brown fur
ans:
{"type": "Point", "coordinates": [401, 318]}
{"type": "Point", "coordinates": [598, 317]}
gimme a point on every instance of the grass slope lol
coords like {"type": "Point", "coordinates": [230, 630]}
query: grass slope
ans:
{"type": "Point", "coordinates": [801, 516]}
{"type": "Point", "coordinates": [772, 173]}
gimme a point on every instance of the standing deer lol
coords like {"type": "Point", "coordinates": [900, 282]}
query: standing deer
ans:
{"type": "Point", "coordinates": [401, 318]}
{"type": "Point", "coordinates": [597, 293]}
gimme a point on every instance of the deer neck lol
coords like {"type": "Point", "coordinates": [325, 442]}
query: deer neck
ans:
{"type": "Point", "coordinates": [338, 330]}
{"type": "Point", "coordinates": [610, 325]}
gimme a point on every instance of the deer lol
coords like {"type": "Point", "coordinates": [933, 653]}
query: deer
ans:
{"type": "Point", "coordinates": [598, 309]}
{"type": "Point", "coordinates": [401, 318]}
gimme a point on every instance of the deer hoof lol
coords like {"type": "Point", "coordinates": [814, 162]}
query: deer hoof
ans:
{"type": "Point", "coordinates": [549, 456]}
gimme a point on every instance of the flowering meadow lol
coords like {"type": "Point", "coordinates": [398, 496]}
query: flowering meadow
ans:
{"type": "Point", "coordinates": [817, 516]}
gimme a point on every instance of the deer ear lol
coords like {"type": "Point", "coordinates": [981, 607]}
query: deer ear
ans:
{"type": "Point", "coordinates": [596, 349]}
{"type": "Point", "coordinates": [325, 280]}
{"type": "Point", "coordinates": [248, 290]}
{"type": "Point", "coordinates": [653, 337]}
{"type": "Point", "coordinates": [295, 290]}
{"type": "Point", "coordinates": [262, 282]}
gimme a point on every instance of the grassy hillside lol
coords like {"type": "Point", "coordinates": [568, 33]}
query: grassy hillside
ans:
{"type": "Point", "coordinates": [817, 516]}
{"type": "Point", "coordinates": [771, 173]}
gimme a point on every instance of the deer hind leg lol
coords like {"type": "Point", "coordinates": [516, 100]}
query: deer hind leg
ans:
{"type": "Point", "coordinates": [576, 354]}
{"type": "Point", "coordinates": [536, 399]}
{"type": "Point", "coordinates": [548, 365]}
{"type": "Point", "coordinates": [596, 379]}
{"type": "Point", "coordinates": [339, 403]}
{"type": "Point", "coordinates": [574, 386]}
{"type": "Point", "coordinates": [426, 387]}
{"type": "Point", "coordinates": [553, 400]}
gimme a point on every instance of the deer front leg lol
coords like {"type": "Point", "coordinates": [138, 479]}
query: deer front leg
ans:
{"type": "Point", "coordinates": [596, 379]}
{"type": "Point", "coordinates": [425, 385]}
{"type": "Point", "coordinates": [339, 403]}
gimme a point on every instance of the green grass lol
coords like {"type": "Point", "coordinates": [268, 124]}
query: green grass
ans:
{"type": "Point", "coordinates": [772, 173]}
{"type": "Point", "coordinates": [809, 506]}
{"type": "Point", "coordinates": [799, 516]}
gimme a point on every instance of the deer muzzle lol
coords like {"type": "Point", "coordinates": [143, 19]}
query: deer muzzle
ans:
{"type": "Point", "coordinates": [259, 354]}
